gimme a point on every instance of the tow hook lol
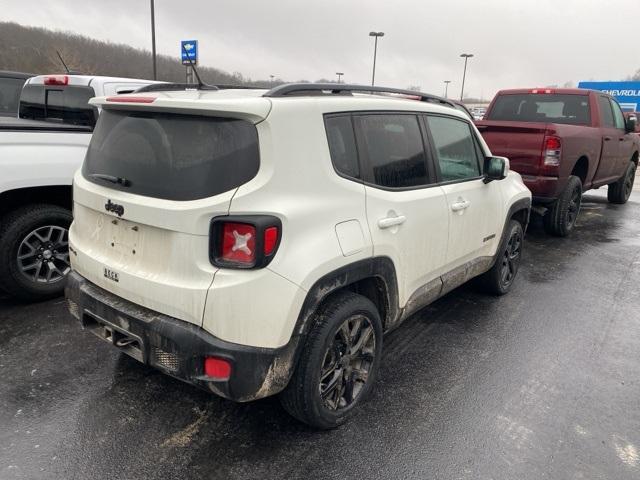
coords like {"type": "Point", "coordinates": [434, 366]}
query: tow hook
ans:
{"type": "Point", "coordinates": [125, 342]}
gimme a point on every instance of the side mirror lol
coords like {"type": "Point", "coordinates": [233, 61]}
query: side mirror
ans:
{"type": "Point", "coordinates": [495, 168]}
{"type": "Point", "coordinates": [630, 124]}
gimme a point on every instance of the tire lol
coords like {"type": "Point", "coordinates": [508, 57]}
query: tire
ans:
{"type": "Point", "coordinates": [561, 217]}
{"type": "Point", "coordinates": [38, 234]}
{"type": "Point", "coordinates": [620, 191]}
{"type": "Point", "coordinates": [499, 279]}
{"type": "Point", "coordinates": [310, 397]}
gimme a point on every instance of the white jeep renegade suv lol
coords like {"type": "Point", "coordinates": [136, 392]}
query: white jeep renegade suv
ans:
{"type": "Point", "coordinates": [252, 242]}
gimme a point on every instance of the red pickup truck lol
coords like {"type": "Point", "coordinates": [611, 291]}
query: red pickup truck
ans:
{"type": "Point", "coordinates": [563, 142]}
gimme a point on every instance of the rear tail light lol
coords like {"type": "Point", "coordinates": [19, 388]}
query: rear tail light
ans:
{"type": "Point", "coordinates": [542, 90]}
{"type": "Point", "coordinates": [217, 368]}
{"type": "Point", "coordinates": [56, 80]}
{"type": "Point", "coordinates": [551, 151]}
{"type": "Point", "coordinates": [271, 235]}
{"type": "Point", "coordinates": [244, 241]}
{"type": "Point", "coordinates": [238, 243]}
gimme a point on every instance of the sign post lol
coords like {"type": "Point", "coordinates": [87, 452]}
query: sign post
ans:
{"type": "Point", "coordinates": [189, 56]}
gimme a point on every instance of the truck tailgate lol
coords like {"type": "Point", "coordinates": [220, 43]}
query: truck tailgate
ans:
{"type": "Point", "coordinates": [520, 142]}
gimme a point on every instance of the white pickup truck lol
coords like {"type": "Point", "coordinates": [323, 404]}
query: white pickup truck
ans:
{"type": "Point", "coordinates": [39, 154]}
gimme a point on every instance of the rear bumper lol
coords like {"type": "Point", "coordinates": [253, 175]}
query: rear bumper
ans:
{"type": "Point", "coordinates": [544, 189]}
{"type": "Point", "coordinates": [178, 348]}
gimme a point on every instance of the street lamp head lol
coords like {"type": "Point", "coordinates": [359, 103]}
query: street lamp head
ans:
{"type": "Point", "coordinates": [466, 55]}
{"type": "Point", "coordinates": [339, 73]}
{"type": "Point", "coordinates": [376, 34]}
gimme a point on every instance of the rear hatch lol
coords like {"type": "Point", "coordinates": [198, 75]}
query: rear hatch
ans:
{"type": "Point", "coordinates": [144, 199]}
{"type": "Point", "coordinates": [520, 142]}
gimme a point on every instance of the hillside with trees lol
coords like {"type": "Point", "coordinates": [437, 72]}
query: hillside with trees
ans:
{"type": "Point", "coordinates": [33, 50]}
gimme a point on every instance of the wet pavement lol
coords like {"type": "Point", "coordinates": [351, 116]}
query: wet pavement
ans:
{"type": "Point", "coordinates": [542, 383]}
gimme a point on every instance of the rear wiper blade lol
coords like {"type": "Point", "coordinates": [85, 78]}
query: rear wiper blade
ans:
{"type": "Point", "coordinates": [110, 178]}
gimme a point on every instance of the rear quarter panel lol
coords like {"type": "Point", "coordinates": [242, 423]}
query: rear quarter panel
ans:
{"type": "Point", "coordinates": [296, 183]}
{"type": "Point", "coordinates": [579, 141]}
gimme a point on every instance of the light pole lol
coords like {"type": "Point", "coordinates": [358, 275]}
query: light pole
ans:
{"type": "Point", "coordinates": [339, 74]}
{"type": "Point", "coordinates": [466, 57]}
{"type": "Point", "coordinates": [153, 39]}
{"type": "Point", "coordinates": [446, 87]}
{"type": "Point", "coordinates": [272, 77]}
{"type": "Point", "coordinates": [375, 52]}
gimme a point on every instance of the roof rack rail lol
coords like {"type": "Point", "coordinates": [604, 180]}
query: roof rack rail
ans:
{"type": "Point", "coordinates": [160, 87]}
{"type": "Point", "coordinates": [301, 89]}
{"type": "Point", "coordinates": [223, 86]}
{"type": "Point", "coordinates": [170, 87]}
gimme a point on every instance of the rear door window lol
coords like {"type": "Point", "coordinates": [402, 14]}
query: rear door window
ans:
{"type": "Point", "coordinates": [171, 156]}
{"type": "Point", "coordinates": [605, 112]}
{"type": "Point", "coordinates": [392, 149]}
{"type": "Point", "coordinates": [61, 104]}
{"type": "Point", "coordinates": [618, 116]}
{"type": "Point", "coordinates": [455, 148]}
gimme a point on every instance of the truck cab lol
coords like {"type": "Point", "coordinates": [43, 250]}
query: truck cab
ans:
{"type": "Point", "coordinates": [10, 86]}
{"type": "Point", "coordinates": [65, 98]}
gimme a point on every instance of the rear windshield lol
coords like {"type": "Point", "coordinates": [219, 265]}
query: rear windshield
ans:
{"type": "Point", "coordinates": [170, 156]}
{"type": "Point", "coordinates": [59, 104]}
{"type": "Point", "coordinates": [548, 108]}
{"type": "Point", "coordinates": [10, 95]}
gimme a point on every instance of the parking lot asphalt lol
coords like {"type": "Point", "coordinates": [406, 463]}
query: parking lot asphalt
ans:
{"type": "Point", "coordinates": [541, 383]}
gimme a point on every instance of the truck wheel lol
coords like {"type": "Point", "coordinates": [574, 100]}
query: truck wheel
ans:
{"type": "Point", "coordinates": [34, 251]}
{"type": "Point", "coordinates": [561, 217]}
{"type": "Point", "coordinates": [620, 191]}
{"type": "Point", "coordinates": [499, 279]}
{"type": "Point", "coordinates": [338, 364]}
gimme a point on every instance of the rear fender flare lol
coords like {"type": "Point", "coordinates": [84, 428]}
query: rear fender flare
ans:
{"type": "Point", "coordinates": [381, 268]}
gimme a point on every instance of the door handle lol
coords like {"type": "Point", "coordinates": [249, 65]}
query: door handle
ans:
{"type": "Point", "coordinates": [389, 222]}
{"type": "Point", "coordinates": [621, 139]}
{"type": "Point", "coordinates": [460, 205]}
{"type": "Point", "coordinates": [606, 139]}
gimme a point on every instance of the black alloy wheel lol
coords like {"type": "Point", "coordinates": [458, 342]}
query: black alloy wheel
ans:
{"type": "Point", "coordinates": [573, 209]}
{"type": "Point", "coordinates": [511, 259]}
{"type": "Point", "coordinates": [338, 362]}
{"type": "Point", "coordinates": [629, 180]}
{"type": "Point", "coordinates": [347, 362]}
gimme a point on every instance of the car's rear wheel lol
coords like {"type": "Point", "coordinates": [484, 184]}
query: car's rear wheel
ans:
{"type": "Point", "coordinates": [560, 219]}
{"type": "Point", "coordinates": [338, 364]}
{"type": "Point", "coordinates": [499, 279]}
{"type": "Point", "coordinates": [34, 251]}
{"type": "Point", "coordinates": [620, 191]}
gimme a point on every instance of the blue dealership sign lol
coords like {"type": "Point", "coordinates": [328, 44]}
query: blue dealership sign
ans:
{"type": "Point", "coordinates": [189, 51]}
{"type": "Point", "coordinates": [626, 93]}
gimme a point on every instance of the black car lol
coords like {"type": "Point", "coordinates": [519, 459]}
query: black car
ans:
{"type": "Point", "coordinates": [10, 87]}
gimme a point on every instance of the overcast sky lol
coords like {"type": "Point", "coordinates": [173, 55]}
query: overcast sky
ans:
{"type": "Point", "coordinates": [516, 43]}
